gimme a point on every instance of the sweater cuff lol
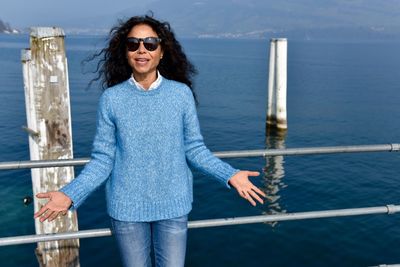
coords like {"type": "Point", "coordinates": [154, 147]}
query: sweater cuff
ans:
{"type": "Point", "coordinates": [233, 172]}
{"type": "Point", "coordinates": [76, 195]}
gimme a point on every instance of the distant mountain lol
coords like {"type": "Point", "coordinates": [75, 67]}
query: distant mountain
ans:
{"type": "Point", "coordinates": [300, 19]}
{"type": "Point", "coordinates": [6, 28]}
{"type": "Point", "coordinates": [261, 18]}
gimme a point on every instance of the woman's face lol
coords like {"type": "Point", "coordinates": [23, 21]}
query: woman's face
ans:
{"type": "Point", "coordinates": [142, 61]}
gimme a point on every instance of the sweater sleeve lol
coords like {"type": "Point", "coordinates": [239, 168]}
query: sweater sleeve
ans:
{"type": "Point", "coordinates": [197, 154]}
{"type": "Point", "coordinates": [102, 157]}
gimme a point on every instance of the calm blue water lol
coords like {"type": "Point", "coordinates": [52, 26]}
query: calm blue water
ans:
{"type": "Point", "coordinates": [339, 93]}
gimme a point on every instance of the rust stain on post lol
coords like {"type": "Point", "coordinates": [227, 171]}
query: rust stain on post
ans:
{"type": "Point", "coordinates": [48, 114]}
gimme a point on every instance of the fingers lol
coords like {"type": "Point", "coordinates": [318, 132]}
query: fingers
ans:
{"type": "Point", "coordinates": [251, 173]}
{"type": "Point", "coordinates": [43, 195]}
{"type": "Point", "coordinates": [254, 195]}
{"type": "Point", "coordinates": [53, 216]}
{"type": "Point", "coordinates": [47, 215]}
{"type": "Point", "coordinates": [242, 194]}
{"type": "Point", "coordinates": [251, 194]}
{"type": "Point", "coordinates": [249, 198]}
{"type": "Point", "coordinates": [41, 211]}
{"type": "Point", "coordinates": [257, 197]}
{"type": "Point", "coordinates": [258, 191]}
{"type": "Point", "coordinates": [246, 189]}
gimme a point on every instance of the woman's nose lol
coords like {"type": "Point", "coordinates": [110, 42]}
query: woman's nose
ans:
{"type": "Point", "coordinates": [141, 48]}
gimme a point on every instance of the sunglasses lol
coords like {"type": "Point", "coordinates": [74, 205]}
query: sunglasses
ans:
{"type": "Point", "coordinates": [150, 43]}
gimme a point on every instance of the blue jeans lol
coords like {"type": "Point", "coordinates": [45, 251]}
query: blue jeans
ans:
{"type": "Point", "coordinates": [136, 239]}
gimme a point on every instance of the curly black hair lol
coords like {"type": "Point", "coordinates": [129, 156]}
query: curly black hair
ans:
{"type": "Point", "coordinates": [113, 67]}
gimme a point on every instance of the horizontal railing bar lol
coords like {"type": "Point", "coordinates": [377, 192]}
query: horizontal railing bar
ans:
{"type": "Point", "coordinates": [309, 151]}
{"type": "Point", "coordinates": [389, 209]}
{"type": "Point", "coordinates": [225, 154]}
{"type": "Point", "coordinates": [27, 239]}
{"type": "Point", "coordinates": [387, 265]}
{"type": "Point", "coordinates": [28, 164]}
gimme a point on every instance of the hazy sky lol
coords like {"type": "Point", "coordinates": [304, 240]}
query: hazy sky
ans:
{"type": "Point", "coordinates": [25, 13]}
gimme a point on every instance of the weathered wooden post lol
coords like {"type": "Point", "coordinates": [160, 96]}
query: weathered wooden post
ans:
{"type": "Point", "coordinates": [49, 127]}
{"type": "Point", "coordinates": [277, 85]}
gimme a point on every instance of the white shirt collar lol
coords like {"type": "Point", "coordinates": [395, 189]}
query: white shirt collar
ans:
{"type": "Point", "coordinates": [154, 85]}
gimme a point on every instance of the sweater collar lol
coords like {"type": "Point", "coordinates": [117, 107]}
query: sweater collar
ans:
{"type": "Point", "coordinates": [154, 85]}
{"type": "Point", "coordinates": [156, 88]}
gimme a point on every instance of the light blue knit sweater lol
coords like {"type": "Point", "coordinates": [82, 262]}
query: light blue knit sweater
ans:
{"type": "Point", "coordinates": [143, 144]}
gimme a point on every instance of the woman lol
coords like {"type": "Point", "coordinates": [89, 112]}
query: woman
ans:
{"type": "Point", "coordinates": [147, 133]}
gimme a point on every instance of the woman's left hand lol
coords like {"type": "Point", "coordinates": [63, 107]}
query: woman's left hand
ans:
{"type": "Point", "coordinates": [245, 188]}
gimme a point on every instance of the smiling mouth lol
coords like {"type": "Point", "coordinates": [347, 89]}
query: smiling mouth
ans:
{"type": "Point", "coordinates": [141, 60]}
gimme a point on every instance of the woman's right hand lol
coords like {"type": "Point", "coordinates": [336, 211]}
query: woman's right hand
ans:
{"type": "Point", "coordinates": [58, 203]}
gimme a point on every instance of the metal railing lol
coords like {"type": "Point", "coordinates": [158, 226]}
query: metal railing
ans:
{"type": "Point", "coordinates": [388, 209]}
{"type": "Point", "coordinates": [12, 165]}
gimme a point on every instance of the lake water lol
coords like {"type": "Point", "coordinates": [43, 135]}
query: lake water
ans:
{"type": "Point", "coordinates": [339, 93]}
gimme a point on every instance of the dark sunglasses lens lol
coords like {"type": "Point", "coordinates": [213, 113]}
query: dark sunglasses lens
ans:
{"type": "Point", "coordinates": [150, 44]}
{"type": "Point", "coordinates": [132, 44]}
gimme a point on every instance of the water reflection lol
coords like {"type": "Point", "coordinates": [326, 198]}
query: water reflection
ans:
{"type": "Point", "coordinates": [274, 173]}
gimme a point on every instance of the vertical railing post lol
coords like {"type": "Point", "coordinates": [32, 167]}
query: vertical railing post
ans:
{"type": "Point", "coordinates": [277, 85]}
{"type": "Point", "coordinates": [49, 126]}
